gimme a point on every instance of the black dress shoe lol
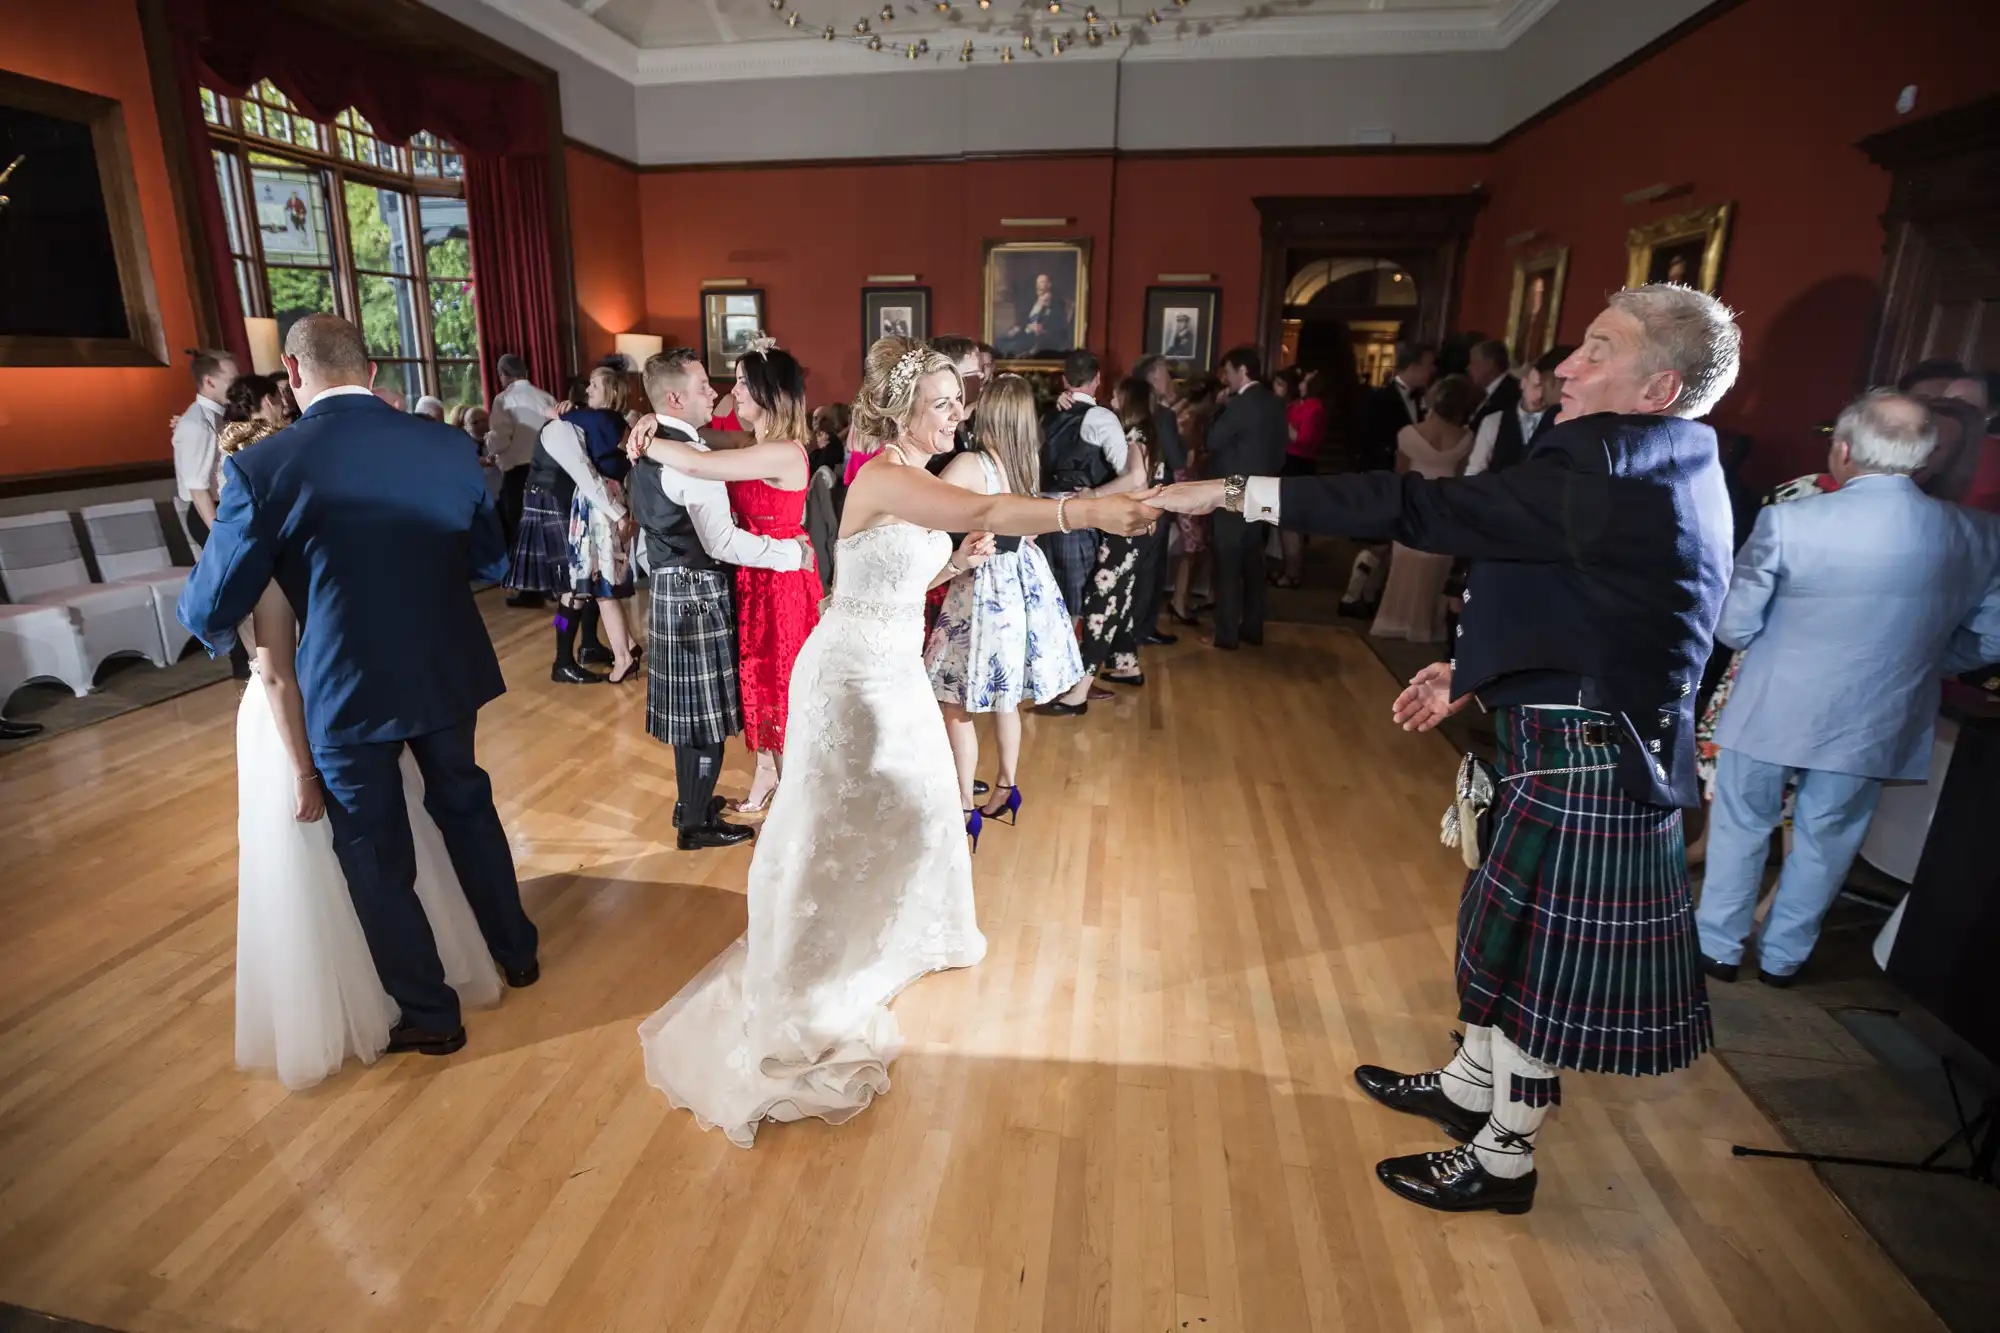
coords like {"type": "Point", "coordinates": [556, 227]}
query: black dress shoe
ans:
{"type": "Point", "coordinates": [1777, 980]}
{"type": "Point", "coordinates": [716, 834]}
{"type": "Point", "coordinates": [1159, 640]}
{"type": "Point", "coordinates": [1420, 1094]}
{"type": "Point", "coordinates": [527, 601]}
{"type": "Point", "coordinates": [18, 731]}
{"type": "Point", "coordinates": [404, 1038]}
{"type": "Point", "coordinates": [600, 656]}
{"type": "Point", "coordinates": [520, 978]}
{"type": "Point", "coordinates": [1136, 678]}
{"type": "Point", "coordinates": [1061, 709]}
{"type": "Point", "coordinates": [979, 787]}
{"type": "Point", "coordinates": [1720, 971]}
{"type": "Point", "coordinates": [1357, 610]}
{"type": "Point", "coordinates": [1455, 1182]}
{"type": "Point", "coordinates": [574, 675]}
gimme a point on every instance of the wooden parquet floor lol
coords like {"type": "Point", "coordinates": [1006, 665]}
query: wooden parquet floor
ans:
{"type": "Point", "coordinates": [1135, 1115]}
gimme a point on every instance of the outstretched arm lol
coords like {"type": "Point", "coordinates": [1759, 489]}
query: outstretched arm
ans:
{"type": "Point", "coordinates": [773, 461]}
{"type": "Point", "coordinates": [885, 489]}
{"type": "Point", "coordinates": [234, 567]}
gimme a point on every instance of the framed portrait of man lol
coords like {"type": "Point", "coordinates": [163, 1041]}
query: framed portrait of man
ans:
{"type": "Point", "coordinates": [1686, 248]}
{"type": "Point", "coordinates": [1536, 305]}
{"type": "Point", "coordinates": [1180, 326]}
{"type": "Point", "coordinates": [730, 318]}
{"type": "Point", "coordinates": [76, 280]}
{"type": "Point", "coordinates": [894, 312]}
{"type": "Point", "coordinates": [1036, 299]}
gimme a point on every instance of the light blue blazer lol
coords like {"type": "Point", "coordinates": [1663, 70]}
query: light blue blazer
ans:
{"type": "Point", "coordinates": [1849, 608]}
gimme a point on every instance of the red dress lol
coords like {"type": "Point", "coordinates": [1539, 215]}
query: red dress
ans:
{"type": "Point", "coordinates": [775, 611]}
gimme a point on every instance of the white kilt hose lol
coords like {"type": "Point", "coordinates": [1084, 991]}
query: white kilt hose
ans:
{"type": "Point", "coordinates": [692, 696]}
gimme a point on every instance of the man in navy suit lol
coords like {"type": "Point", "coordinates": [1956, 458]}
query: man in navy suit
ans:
{"type": "Point", "coordinates": [374, 525]}
{"type": "Point", "coordinates": [1600, 566]}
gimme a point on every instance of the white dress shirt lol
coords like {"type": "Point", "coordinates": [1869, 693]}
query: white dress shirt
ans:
{"type": "Point", "coordinates": [707, 503]}
{"type": "Point", "coordinates": [564, 442]}
{"type": "Point", "coordinates": [1489, 436]}
{"type": "Point", "coordinates": [1413, 401]}
{"type": "Point", "coordinates": [1101, 428]}
{"type": "Point", "coordinates": [515, 420]}
{"type": "Point", "coordinates": [197, 457]}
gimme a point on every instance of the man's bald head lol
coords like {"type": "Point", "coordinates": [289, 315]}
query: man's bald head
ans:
{"type": "Point", "coordinates": [324, 352]}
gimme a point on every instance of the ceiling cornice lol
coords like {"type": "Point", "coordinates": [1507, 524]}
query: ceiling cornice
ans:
{"type": "Point", "coordinates": [1359, 34]}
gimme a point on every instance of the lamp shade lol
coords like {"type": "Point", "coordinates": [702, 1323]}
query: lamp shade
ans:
{"type": "Point", "coordinates": [264, 345]}
{"type": "Point", "coordinates": [639, 346]}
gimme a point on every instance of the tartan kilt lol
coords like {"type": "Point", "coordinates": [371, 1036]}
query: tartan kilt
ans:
{"type": "Point", "coordinates": [540, 560]}
{"type": "Point", "coordinates": [1576, 935]}
{"type": "Point", "coordinates": [1071, 556]}
{"type": "Point", "coordinates": [692, 697]}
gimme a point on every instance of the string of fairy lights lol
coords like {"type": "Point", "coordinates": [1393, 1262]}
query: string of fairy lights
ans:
{"type": "Point", "coordinates": [1029, 29]}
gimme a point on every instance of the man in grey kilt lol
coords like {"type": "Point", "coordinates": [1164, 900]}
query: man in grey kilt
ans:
{"type": "Point", "coordinates": [1600, 566]}
{"type": "Point", "coordinates": [692, 548]}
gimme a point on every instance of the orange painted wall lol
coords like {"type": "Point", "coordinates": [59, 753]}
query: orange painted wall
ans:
{"type": "Point", "coordinates": [810, 236]}
{"type": "Point", "coordinates": [1761, 106]}
{"type": "Point", "coordinates": [604, 242]}
{"type": "Point", "coordinates": [57, 418]}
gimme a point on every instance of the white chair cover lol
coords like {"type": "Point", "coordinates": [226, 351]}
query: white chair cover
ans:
{"type": "Point", "coordinates": [40, 643]}
{"type": "Point", "coordinates": [131, 547]}
{"type": "Point", "coordinates": [42, 565]}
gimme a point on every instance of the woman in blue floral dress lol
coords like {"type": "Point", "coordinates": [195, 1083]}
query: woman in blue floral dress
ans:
{"type": "Point", "coordinates": [1003, 636]}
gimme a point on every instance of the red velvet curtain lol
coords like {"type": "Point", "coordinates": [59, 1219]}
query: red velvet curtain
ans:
{"type": "Point", "coordinates": [513, 264]}
{"type": "Point", "coordinates": [207, 195]}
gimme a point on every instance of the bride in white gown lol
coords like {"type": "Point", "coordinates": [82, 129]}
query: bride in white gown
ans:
{"type": "Point", "coordinates": [307, 994]}
{"type": "Point", "coordinates": [861, 881]}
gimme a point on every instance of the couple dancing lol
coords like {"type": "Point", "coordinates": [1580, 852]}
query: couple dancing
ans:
{"type": "Point", "coordinates": [376, 888]}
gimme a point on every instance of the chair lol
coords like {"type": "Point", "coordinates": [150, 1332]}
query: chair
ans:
{"type": "Point", "coordinates": [40, 643]}
{"type": "Point", "coordinates": [822, 524]}
{"type": "Point", "coordinates": [42, 565]}
{"type": "Point", "coordinates": [131, 547]}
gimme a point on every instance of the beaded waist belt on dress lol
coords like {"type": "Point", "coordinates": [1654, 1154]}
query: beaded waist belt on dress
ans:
{"type": "Point", "coordinates": [888, 613]}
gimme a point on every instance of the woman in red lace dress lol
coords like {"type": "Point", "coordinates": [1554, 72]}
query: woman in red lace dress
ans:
{"type": "Point", "coordinates": [775, 609]}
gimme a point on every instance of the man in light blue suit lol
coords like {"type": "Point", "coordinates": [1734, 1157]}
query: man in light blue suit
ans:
{"type": "Point", "coordinates": [1849, 608]}
{"type": "Point", "coordinates": [374, 524]}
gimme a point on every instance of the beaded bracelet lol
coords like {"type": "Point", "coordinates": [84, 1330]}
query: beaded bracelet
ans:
{"type": "Point", "coordinates": [1062, 523]}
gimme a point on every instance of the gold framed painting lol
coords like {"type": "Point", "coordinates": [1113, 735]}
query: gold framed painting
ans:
{"type": "Point", "coordinates": [1536, 305]}
{"type": "Point", "coordinates": [1686, 248]}
{"type": "Point", "coordinates": [1037, 294]}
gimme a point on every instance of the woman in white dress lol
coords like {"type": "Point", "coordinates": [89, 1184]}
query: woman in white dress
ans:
{"type": "Point", "coordinates": [861, 881]}
{"type": "Point", "coordinates": [1413, 599]}
{"type": "Point", "coordinates": [307, 994]}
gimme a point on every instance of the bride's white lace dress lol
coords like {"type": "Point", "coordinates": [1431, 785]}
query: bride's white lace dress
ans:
{"type": "Point", "coordinates": [307, 994]}
{"type": "Point", "coordinates": [860, 883]}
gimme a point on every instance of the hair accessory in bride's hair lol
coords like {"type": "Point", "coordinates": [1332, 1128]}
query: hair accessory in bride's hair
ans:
{"type": "Point", "coordinates": [760, 342]}
{"type": "Point", "coordinates": [906, 369]}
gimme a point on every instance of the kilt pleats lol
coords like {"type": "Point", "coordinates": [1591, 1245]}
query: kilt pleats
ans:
{"type": "Point", "coordinates": [1576, 935]}
{"type": "Point", "coordinates": [692, 695]}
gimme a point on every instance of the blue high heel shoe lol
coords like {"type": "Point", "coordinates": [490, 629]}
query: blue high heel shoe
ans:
{"type": "Point", "coordinates": [974, 821]}
{"type": "Point", "coordinates": [1010, 809]}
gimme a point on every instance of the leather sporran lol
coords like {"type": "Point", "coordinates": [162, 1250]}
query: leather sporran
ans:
{"type": "Point", "coordinates": [1465, 824]}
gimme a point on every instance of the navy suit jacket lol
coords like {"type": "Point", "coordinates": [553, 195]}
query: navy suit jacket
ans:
{"type": "Point", "coordinates": [374, 525]}
{"type": "Point", "coordinates": [1601, 559]}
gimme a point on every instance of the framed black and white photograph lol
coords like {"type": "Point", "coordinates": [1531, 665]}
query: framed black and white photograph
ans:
{"type": "Point", "coordinates": [894, 312]}
{"type": "Point", "coordinates": [76, 279]}
{"type": "Point", "coordinates": [1037, 297]}
{"type": "Point", "coordinates": [1180, 326]}
{"type": "Point", "coordinates": [730, 318]}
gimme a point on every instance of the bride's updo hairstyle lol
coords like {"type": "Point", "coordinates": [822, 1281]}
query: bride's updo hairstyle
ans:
{"type": "Point", "coordinates": [889, 378]}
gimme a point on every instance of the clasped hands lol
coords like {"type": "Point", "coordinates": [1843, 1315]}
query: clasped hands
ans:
{"type": "Point", "coordinates": [1186, 497]}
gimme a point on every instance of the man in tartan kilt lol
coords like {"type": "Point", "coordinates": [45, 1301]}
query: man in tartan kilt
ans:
{"type": "Point", "coordinates": [692, 545]}
{"type": "Point", "coordinates": [1600, 565]}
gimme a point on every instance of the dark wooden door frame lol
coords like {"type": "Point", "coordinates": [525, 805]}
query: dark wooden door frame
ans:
{"type": "Point", "coordinates": [1426, 233]}
{"type": "Point", "coordinates": [1946, 180]}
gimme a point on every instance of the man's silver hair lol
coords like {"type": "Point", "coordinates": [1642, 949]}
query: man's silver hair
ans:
{"type": "Point", "coordinates": [1690, 332]}
{"type": "Point", "coordinates": [1886, 431]}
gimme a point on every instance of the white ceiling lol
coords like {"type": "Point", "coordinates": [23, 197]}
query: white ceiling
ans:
{"type": "Point", "coordinates": [649, 42]}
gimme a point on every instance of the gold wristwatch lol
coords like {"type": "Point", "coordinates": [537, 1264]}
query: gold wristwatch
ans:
{"type": "Point", "coordinates": [1232, 494]}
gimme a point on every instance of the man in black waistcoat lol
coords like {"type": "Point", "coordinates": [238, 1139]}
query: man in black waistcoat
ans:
{"type": "Point", "coordinates": [1083, 447]}
{"type": "Point", "coordinates": [692, 547]}
{"type": "Point", "coordinates": [1601, 562]}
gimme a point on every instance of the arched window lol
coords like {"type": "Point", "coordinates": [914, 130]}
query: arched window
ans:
{"type": "Point", "coordinates": [329, 216]}
{"type": "Point", "coordinates": [1352, 282]}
